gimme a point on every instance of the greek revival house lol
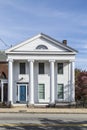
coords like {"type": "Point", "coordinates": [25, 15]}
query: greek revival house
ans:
{"type": "Point", "coordinates": [41, 71]}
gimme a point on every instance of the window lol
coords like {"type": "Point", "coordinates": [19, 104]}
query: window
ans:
{"type": "Point", "coordinates": [41, 91]}
{"type": "Point", "coordinates": [41, 47]}
{"type": "Point", "coordinates": [60, 91]}
{"type": "Point", "coordinates": [60, 68]}
{"type": "Point", "coordinates": [41, 68]}
{"type": "Point", "coordinates": [22, 68]}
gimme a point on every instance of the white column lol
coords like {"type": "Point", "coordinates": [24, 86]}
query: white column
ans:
{"type": "Point", "coordinates": [10, 80]}
{"type": "Point", "coordinates": [73, 80]}
{"type": "Point", "coordinates": [2, 92]}
{"type": "Point", "coordinates": [52, 82]}
{"type": "Point", "coordinates": [31, 82]}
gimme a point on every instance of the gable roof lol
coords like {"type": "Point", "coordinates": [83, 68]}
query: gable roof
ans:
{"type": "Point", "coordinates": [46, 37]}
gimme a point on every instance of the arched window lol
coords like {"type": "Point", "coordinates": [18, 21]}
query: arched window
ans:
{"type": "Point", "coordinates": [42, 47]}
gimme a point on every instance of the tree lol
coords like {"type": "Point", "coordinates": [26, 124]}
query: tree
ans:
{"type": "Point", "coordinates": [80, 84]}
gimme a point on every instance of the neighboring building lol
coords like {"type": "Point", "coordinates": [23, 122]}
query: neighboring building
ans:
{"type": "Point", "coordinates": [41, 71]}
{"type": "Point", "coordinates": [3, 77]}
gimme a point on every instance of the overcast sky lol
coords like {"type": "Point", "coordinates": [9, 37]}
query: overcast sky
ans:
{"type": "Point", "coordinates": [60, 19]}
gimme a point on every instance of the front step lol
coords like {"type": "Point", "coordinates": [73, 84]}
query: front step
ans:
{"type": "Point", "coordinates": [3, 105]}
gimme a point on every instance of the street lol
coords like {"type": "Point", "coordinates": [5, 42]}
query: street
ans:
{"type": "Point", "coordinates": [26, 121]}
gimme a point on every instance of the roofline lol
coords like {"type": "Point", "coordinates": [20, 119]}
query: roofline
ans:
{"type": "Point", "coordinates": [44, 36]}
{"type": "Point", "coordinates": [23, 42]}
{"type": "Point", "coordinates": [41, 52]}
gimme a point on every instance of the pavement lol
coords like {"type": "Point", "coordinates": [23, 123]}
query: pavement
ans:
{"type": "Point", "coordinates": [44, 110]}
{"type": "Point", "coordinates": [28, 121]}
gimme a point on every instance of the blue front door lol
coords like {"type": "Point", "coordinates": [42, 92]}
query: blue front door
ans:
{"type": "Point", "coordinates": [22, 93]}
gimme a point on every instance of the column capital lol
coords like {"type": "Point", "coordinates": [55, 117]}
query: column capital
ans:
{"type": "Point", "coordinates": [52, 60]}
{"type": "Point", "coordinates": [10, 60]}
{"type": "Point", "coordinates": [71, 61]}
{"type": "Point", "coordinates": [30, 60]}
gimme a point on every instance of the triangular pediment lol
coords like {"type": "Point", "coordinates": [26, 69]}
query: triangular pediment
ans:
{"type": "Point", "coordinates": [40, 42]}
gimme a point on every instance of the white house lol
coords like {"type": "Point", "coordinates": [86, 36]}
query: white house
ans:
{"type": "Point", "coordinates": [41, 71]}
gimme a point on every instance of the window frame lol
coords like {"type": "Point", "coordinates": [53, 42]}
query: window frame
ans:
{"type": "Point", "coordinates": [60, 91]}
{"type": "Point", "coordinates": [42, 47]}
{"type": "Point", "coordinates": [18, 91]}
{"type": "Point", "coordinates": [59, 71]}
{"type": "Point", "coordinates": [41, 92]}
{"type": "Point", "coordinates": [39, 69]}
{"type": "Point", "coordinates": [21, 72]}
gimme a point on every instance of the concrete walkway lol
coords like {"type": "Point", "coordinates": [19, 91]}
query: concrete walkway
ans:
{"type": "Point", "coordinates": [44, 110]}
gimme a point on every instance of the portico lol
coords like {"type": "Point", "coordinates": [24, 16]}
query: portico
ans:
{"type": "Point", "coordinates": [29, 84]}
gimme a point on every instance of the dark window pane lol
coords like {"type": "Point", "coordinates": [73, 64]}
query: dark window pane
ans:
{"type": "Point", "coordinates": [41, 91]}
{"type": "Point", "coordinates": [60, 68]}
{"type": "Point", "coordinates": [41, 68]}
{"type": "Point", "coordinates": [41, 47]}
{"type": "Point", "coordinates": [60, 91]}
{"type": "Point", "coordinates": [22, 68]}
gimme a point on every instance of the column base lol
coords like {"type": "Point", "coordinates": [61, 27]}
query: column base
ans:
{"type": "Point", "coordinates": [10, 104]}
{"type": "Point", "coordinates": [52, 105]}
{"type": "Point", "coordinates": [31, 105]}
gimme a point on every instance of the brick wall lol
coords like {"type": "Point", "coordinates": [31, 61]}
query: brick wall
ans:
{"type": "Point", "coordinates": [4, 68]}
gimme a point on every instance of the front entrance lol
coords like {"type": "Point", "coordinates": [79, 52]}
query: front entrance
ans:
{"type": "Point", "coordinates": [22, 93]}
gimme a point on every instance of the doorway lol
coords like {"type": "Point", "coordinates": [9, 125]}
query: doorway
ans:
{"type": "Point", "coordinates": [22, 93]}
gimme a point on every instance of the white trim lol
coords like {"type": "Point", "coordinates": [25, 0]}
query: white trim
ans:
{"type": "Point", "coordinates": [39, 36]}
{"type": "Point", "coordinates": [43, 57]}
{"type": "Point", "coordinates": [69, 81]}
{"type": "Point", "coordinates": [31, 82]}
{"type": "Point", "coordinates": [22, 43]}
{"type": "Point", "coordinates": [42, 52]}
{"type": "Point", "coordinates": [10, 81]}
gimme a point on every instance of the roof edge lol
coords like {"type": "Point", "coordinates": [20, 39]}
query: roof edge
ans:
{"type": "Point", "coordinates": [37, 36]}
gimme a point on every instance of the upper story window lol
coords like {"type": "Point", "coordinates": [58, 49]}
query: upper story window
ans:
{"type": "Point", "coordinates": [22, 68]}
{"type": "Point", "coordinates": [60, 68]}
{"type": "Point", "coordinates": [41, 68]}
{"type": "Point", "coordinates": [42, 47]}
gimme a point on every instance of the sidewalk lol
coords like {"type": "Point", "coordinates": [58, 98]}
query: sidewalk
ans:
{"type": "Point", "coordinates": [44, 110]}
